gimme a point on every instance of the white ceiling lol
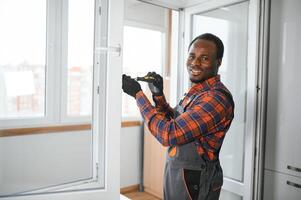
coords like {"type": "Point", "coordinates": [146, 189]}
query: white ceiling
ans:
{"type": "Point", "coordinates": [174, 4]}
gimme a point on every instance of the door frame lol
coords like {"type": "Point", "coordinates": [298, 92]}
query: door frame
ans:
{"type": "Point", "coordinates": [244, 188]}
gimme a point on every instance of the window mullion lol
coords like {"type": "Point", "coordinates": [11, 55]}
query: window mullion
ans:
{"type": "Point", "coordinates": [64, 62]}
{"type": "Point", "coordinates": [54, 60]}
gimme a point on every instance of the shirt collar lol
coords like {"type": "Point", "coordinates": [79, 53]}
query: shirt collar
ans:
{"type": "Point", "coordinates": [205, 85]}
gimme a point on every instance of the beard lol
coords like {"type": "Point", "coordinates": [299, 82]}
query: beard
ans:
{"type": "Point", "coordinates": [201, 74]}
{"type": "Point", "coordinates": [196, 81]}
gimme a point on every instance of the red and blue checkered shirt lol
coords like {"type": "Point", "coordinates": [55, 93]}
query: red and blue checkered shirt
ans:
{"type": "Point", "coordinates": [207, 116]}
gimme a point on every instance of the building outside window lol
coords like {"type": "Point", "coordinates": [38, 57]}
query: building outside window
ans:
{"type": "Point", "coordinates": [22, 59]}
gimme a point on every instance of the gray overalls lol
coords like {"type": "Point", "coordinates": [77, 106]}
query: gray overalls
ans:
{"type": "Point", "coordinates": [188, 176]}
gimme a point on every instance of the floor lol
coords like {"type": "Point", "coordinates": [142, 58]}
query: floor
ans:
{"type": "Point", "coordinates": [140, 196]}
{"type": "Point", "coordinates": [122, 197]}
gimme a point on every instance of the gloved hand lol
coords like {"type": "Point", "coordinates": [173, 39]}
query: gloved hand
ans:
{"type": "Point", "coordinates": [130, 86]}
{"type": "Point", "coordinates": [155, 86]}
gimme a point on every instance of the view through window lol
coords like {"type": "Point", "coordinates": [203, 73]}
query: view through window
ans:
{"type": "Point", "coordinates": [22, 58]}
{"type": "Point", "coordinates": [143, 52]}
{"type": "Point", "coordinates": [80, 57]}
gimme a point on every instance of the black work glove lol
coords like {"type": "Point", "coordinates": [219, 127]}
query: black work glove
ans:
{"type": "Point", "coordinates": [130, 86]}
{"type": "Point", "coordinates": [156, 85]}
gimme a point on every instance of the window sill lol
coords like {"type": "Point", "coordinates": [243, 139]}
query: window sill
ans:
{"type": "Point", "coordinates": [41, 130]}
{"type": "Point", "coordinates": [56, 129]}
{"type": "Point", "coordinates": [130, 123]}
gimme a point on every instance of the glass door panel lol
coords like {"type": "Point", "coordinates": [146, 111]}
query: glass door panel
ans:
{"type": "Point", "coordinates": [230, 24]}
{"type": "Point", "coordinates": [80, 57]}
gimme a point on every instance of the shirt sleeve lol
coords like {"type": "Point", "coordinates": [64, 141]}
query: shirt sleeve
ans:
{"type": "Point", "coordinates": [162, 106]}
{"type": "Point", "coordinates": [207, 115]}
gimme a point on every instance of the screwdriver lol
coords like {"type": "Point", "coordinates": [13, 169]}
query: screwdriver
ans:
{"type": "Point", "coordinates": [145, 78]}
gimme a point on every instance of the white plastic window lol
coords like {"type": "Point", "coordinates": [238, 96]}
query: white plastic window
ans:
{"type": "Point", "coordinates": [31, 91]}
{"type": "Point", "coordinates": [46, 60]}
{"type": "Point", "coordinates": [54, 160]}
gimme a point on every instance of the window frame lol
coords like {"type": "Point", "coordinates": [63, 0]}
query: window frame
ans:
{"type": "Point", "coordinates": [56, 73]}
{"type": "Point", "coordinates": [52, 48]}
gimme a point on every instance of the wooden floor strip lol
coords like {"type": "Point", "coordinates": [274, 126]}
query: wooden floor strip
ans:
{"type": "Point", "coordinates": [140, 196]}
{"type": "Point", "coordinates": [132, 192]}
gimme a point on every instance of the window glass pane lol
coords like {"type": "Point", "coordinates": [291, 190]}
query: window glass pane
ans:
{"type": "Point", "coordinates": [142, 54]}
{"type": "Point", "coordinates": [230, 24]}
{"type": "Point", "coordinates": [22, 58]}
{"type": "Point", "coordinates": [80, 57]}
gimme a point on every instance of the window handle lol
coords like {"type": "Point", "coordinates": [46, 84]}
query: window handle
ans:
{"type": "Point", "coordinates": [109, 49]}
{"type": "Point", "coordinates": [296, 169]}
{"type": "Point", "coordinates": [293, 184]}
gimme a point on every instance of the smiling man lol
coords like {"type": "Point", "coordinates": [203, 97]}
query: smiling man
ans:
{"type": "Point", "coordinates": [194, 131]}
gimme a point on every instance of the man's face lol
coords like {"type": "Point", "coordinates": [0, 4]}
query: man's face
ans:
{"type": "Point", "coordinates": [201, 62]}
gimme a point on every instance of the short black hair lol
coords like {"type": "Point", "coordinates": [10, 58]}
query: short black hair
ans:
{"type": "Point", "coordinates": [210, 37]}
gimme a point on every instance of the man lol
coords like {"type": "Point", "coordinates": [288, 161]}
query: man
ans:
{"type": "Point", "coordinates": [195, 129]}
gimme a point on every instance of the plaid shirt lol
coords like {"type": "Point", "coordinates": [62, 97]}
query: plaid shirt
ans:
{"type": "Point", "coordinates": [207, 115]}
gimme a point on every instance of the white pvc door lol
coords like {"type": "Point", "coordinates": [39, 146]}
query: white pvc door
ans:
{"type": "Point", "coordinates": [230, 21]}
{"type": "Point", "coordinates": [236, 23]}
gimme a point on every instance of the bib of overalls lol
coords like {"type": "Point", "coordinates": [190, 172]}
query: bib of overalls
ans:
{"type": "Point", "coordinates": [187, 175]}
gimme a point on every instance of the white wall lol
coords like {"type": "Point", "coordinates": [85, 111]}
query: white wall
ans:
{"type": "Point", "coordinates": [130, 156]}
{"type": "Point", "coordinates": [145, 14]}
{"type": "Point", "coordinates": [35, 161]}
